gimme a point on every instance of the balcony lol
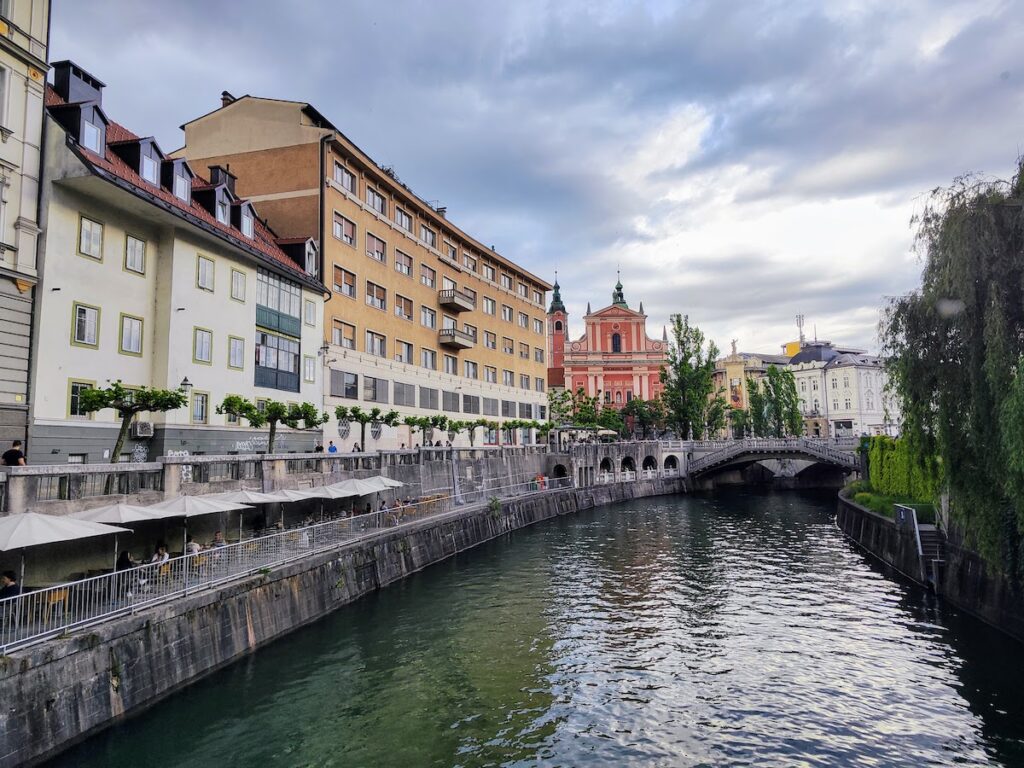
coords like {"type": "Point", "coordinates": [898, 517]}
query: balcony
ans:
{"type": "Point", "coordinates": [456, 300]}
{"type": "Point", "coordinates": [456, 339]}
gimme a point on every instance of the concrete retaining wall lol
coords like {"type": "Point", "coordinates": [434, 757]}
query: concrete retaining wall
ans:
{"type": "Point", "coordinates": [59, 692]}
{"type": "Point", "coordinates": [894, 545]}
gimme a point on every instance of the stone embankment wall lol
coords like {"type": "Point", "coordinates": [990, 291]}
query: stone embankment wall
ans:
{"type": "Point", "coordinates": [59, 692]}
{"type": "Point", "coordinates": [880, 536]}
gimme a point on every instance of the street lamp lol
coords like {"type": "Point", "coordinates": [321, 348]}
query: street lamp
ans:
{"type": "Point", "coordinates": [185, 386]}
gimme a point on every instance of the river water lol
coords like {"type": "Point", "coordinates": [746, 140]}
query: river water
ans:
{"type": "Point", "coordinates": [734, 629]}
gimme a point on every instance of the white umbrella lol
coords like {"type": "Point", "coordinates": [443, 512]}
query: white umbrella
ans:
{"type": "Point", "coordinates": [31, 529]}
{"type": "Point", "coordinates": [360, 486]}
{"type": "Point", "coordinates": [117, 513]}
{"type": "Point", "coordinates": [192, 506]}
{"type": "Point", "coordinates": [386, 482]}
{"type": "Point", "coordinates": [243, 497]}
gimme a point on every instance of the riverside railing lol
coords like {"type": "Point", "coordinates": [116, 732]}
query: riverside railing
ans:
{"type": "Point", "coordinates": [45, 613]}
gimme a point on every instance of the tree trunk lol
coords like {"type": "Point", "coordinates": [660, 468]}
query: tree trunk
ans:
{"type": "Point", "coordinates": [472, 434]}
{"type": "Point", "coordinates": [362, 436]}
{"type": "Point", "coordinates": [126, 422]}
{"type": "Point", "coordinates": [270, 438]}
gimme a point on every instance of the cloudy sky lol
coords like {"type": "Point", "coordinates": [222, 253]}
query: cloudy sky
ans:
{"type": "Point", "coordinates": [743, 162]}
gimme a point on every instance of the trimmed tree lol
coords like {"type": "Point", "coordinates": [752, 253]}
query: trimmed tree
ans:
{"type": "Point", "coordinates": [127, 402]}
{"type": "Point", "coordinates": [688, 378]}
{"type": "Point", "coordinates": [304, 416]}
{"type": "Point", "coordinates": [373, 416]}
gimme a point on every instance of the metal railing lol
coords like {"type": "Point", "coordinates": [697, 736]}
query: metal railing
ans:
{"type": "Point", "coordinates": [45, 613]}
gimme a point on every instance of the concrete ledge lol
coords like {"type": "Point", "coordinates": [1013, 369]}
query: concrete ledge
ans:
{"type": "Point", "coordinates": [880, 537]}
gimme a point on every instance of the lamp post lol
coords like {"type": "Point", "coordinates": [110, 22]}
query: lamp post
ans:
{"type": "Point", "coordinates": [185, 386]}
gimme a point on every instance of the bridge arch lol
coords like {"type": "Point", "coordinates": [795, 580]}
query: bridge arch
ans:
{"type": "Point", "coordinates": [628, 465]}
{"type": "Point", "coordinates": [649, 463]}
{"type": "Point", "coordinates": [606, 465]}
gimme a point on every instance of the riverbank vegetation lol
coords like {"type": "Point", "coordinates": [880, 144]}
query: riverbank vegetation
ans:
{"type": "Point", "coordinates": [955, 354]}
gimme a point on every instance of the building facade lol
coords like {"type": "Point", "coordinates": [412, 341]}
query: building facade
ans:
{"type": "Point", "coordinates": [24, 33]}
{"type": "Point", "coordinates": [732, 372]}
{"type": "Point", "coordinates": [155, 276]}
{"type": "Point", "coordinates": [614, 359]}
{"type": "Point", "coordinates": [423, 318]}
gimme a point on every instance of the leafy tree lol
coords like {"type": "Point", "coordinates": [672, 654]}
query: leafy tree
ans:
{"type": "Point", "coordinates": [739, 422]}
{"type": "Point", "coordinates": [610, 418]}
{"type": "Point", "coordinates": [758, 411]}
{"type": "Point", "coordinates": [774, 404]}
{"type": "Point", "coordinates": [688, 379]}
{"type": "Point", "coordinates": [273, 413]}
{"type": "Point", "coordinates": [127, 402]}
{"type": "Point", "coordinates": [954, 350]}
{"type": "Point", "coordinates": [374, 416]}
{"type": "Point", "coordinates": [574, 407]}
{"type": "Point", "coordinates": [645, 415]}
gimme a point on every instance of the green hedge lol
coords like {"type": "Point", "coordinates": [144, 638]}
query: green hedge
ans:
{"type": "Point", "coordinates": [894, 471]}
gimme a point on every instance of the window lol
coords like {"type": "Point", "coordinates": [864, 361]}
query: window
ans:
{"type": "Point", "coordinates": [488, 272]}
{"type": "Point", "coordinates": [524, 290]}
{"type": "Point", "coordinates": [508, 378]}
{"type": "Point", "coordinates": [131, 335]}
{"type": "Point", "coordinates": [508, 408]}
{"type": "Point", "coordinates": [506, 281]}
{"type": "Point", "coordinates": [92, 137]}
{"type": "Point", "coordinates": [490, 307]}
{"type": "Point", "coordinates": [403, 307]}
{"type": "Point", "coordinates": [448, 322]}
{"type": "Point", "coordinates": [490, 374]}
{"type": "Point", "coordinates": [312, 264]}
{"type": "Point", "coordinates": [135, 254]}
{"type": "Point", "coordinates": [428, 359]}
{"type": "Point", "coordinates": [506, 313]}
{"type": "Point", "coordinates": [428, 236]}
{"type": "Point", "coordinates": [616, 342]}
{"type": "Point", "coordinates": [490, 340]}
{"type": "Point", "coordinates": [471, 404]}
{"type": "Point", "coordinates": [237, 285]}
{"type": "Point", "coordinates": [403, 219]}
{"type": "Point", "coordinates": [428, 317]}
{"type": "Point", "coordinates": [376, 248]}
{"type": "Point", "coordinates": [344, 177]}
{"type": "Point", "coordinates": [538, 355]}
{"type": "Point", "coordinates": [309, 312]}
{"type": "Point", "coordinates": [846, 382]}
{"type": "Point", "coordinates": [345, 282]}
{"type": "Point", "coordinates": [524, 320]}
{"type": "Point", "coordinates": [450, 401]}
{"type": "Point", "coordinates": [149, 170]}
{"type": "Point", "coordinates": [403, 263]}
{"type": "Point", "coordinates": [814, 385]}
{"type": "Point", "coordinates": [375, 390]}
{"type": "Point", "coordinates": [507, 345]}
{"type": "Point", "coordinates": [344, 385]}
{"type": "Point", "coordinates": [277, 362]}
{"type": "Point", "coordinates": [846, 403]}
{"type": "Point", "coordinates": [451, 365]}
{"type": "Point", "coordinates": [524, 351]}
{"type": "Point", "coordinates": [835, 383]}
{"type": "Point", "coordinates": [202, 346]}
{"type": "Point", "coordinates": [558, 325]}
{"type": "Point", "coordinates": [90, 238]}
{"type": "Point", "coordinates": [204, 273]}
{"type": "Point", "coordinates": [376, 201]}
{"type": "Point", "coordinates": [236, 353]}
{"type": "Point", "coordinates": [222, 211]}
{"type": "Point", "coordinates": [247, 221]}
{"type": "Point", "coordinates": [428, 398]}
{"type": "Point", "coordinates": [469, 262]}
{"type": "Point", "coordinates": [182, 187]}
{"type": "Point", "coordinates": [405, 394]}
{"type": "Point", "coordinates": [344, 230]}
{"type": "Point", "coordinates": [75, 390]}
{"type": "Point", "coordinates": [309, 369]}
{"type": "Point", "coordinates": [538, 384]}
{"type": "Point", "coordinates": [86, 331]}
{"type": "Point", "coordinates": [78, 458]}
{"type": "Point", "coordinates": [451, 252]}
{"type": "Point", "coordinates": [803, 385]}
{"type": "Point", "coordinates": [376, 296]}
{"type": "Point", "coordinates": [403, 352]}
{"type": "Point", "coordinates": [471, 370]}
{"type": "Point", "coordinates": [200, 408]}
{"type": "Point", "coordinates": [428, 276]}
{"type": "Point", "coordinates": [538, 297]}
{"type": "Point", "coordinates": [376, 344]}
{"type": "Point", "coordinates": [447, 284]}
{"type": "Point", "coordinates": [344, 335]}
{"type": "Point", "coordinates": [524, 381]}
{"type": "Point", "coordinates": [538, 326]}
{"type": "Point", "coordinates": [525, 411]}
{"type": "Point", "coordinates": [470, 331]}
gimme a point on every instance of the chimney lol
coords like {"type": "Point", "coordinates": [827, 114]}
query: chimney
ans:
{"type": "Point", "coordinates": [442, 211]}
{"type": "Point", "coordinates": [74, 84]}
{"type": "Point", "coordinates": [221, 175]}
{"type": "Point", "coordinates": [225, 99]}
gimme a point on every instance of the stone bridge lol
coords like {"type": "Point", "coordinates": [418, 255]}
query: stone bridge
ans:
{"type": "Point", "coordinates": [738, 453]}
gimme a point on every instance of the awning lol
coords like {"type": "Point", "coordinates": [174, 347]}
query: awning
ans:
{"type": "Point", "coordinates": [32, 529]}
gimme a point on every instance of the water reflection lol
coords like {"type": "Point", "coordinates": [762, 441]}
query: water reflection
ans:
{"type": "Point", "coordinates": [735, 629]}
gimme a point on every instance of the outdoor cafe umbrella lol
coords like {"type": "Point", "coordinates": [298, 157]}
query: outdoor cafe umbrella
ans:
{"type": "Point", "coordinates": [290, 494]}
{"type": "Point", "coordinates": [242, 497]}
{"type": "Point", "coordinates": [117, 513]}
{"type": "Point", "coordinates": [191, 506]}
{"type": "Point", "coordinates": [32, 529]}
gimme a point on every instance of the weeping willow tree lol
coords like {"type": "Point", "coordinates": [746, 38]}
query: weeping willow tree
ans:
{"type": "Point", "coordinates": [955, 353]}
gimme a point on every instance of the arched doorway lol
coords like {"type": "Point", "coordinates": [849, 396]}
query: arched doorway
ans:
{"type": "Point", "coordinates": [671, 462]}
{"type": "Point", "coordinates": [650, 462]}
{"type": "Point", "coordinates": [559, 471]}
{"type": "Point", "coordinates": [606, 464]}
{"type": "Point", "coordinates": [628, 465]}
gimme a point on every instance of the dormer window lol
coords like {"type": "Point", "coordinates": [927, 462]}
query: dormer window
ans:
{"type": "Point", "coordinates": [311, 260]}
{"type": "Point", "coordinates": [247, 221]}
{"type": "Point", "coordinates": [150, 170]}
{"type": "Point", "coordinates": [92, 136]}
{"type": "Point", "coordinates": [222, 211]}
{"type": "Point", "coordinates": [182, 187]}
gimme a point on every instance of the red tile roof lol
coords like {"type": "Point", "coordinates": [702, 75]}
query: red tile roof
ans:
{"type": "Point", "coordinates": [263, 239]}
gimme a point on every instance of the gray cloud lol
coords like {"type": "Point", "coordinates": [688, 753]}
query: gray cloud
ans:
{"type": "Point", "coordinates": [524, 118]}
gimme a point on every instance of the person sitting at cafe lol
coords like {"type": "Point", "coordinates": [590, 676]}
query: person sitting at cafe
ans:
{"type": "Point", "coordinates": [9, 586]}
{"type": "Point", "coordinates": [218, 540]}
{"type": "Point", "coordinates": [192, 546]}
{"type": "Point", "coordinates": [125, 561]}
{"type": "Point", "coordinates": [161, 555]}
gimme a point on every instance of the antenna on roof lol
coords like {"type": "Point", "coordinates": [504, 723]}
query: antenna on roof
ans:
{"type": "Point", "coordinates": [800, 325]}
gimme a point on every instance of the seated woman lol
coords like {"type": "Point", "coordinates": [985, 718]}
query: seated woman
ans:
{"type": "Point", "coordinates": [125, 561]}
{"type": "Point", "coordinates": [161, 555]}
{"type": "Point", "coordinates": [192, 546]}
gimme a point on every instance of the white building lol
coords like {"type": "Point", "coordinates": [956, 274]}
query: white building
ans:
{"type": "Point", "coordinates": [152, 275]}
{"type": "Point", "coordinates": [843, 393]}
{"type": "Point", "coordinates": [24, 29]}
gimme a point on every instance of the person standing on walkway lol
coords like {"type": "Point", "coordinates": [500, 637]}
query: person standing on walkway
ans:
{"type": "Point", "coordinates": [14, 457]}
{"type": "Point", "coordinates": [331, 447]}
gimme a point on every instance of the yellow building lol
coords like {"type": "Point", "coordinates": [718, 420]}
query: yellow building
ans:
{"type": "Point", "coordinates": [732, 372]}
{"type": "Point", "coordinates": [423, 317]}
